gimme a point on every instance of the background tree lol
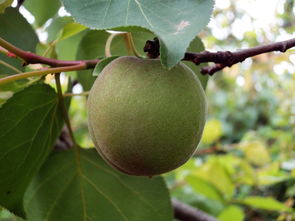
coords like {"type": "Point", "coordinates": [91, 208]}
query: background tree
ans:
{"type": "Point", "coordinates": [244, 168]}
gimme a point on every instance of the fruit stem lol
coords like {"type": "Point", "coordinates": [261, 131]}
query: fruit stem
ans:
{"type": "Point", "coordinates": [130, 44]}
{"type": "Point", "coordinates": [63, 107]}
{"type": "Point", "coordinates": [107, 49]}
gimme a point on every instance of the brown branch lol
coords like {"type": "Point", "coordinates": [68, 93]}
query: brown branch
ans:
{"type": "Point", "coordinates": [222, 59]}
{"type": "Point", "coordinates": [64, 140]}
{"type": "Point", "coordinates": [185, 212]}
{"type": "Point", "coordinates": [152, 47]}
{"type": "Point", "coordinates": [31, 58]}
{"type": "Point", "coordinates": [19, 3]}
{"type": "Point", "coordinates": [210, 150]}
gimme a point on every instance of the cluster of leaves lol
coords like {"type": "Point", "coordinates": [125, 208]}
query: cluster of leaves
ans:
{"type": "Point", "coordinates": [253, 178]}
{"type": "Point", "coordinates": [40, 183]}
{"type": "Point", "coordinates": [250, 131]}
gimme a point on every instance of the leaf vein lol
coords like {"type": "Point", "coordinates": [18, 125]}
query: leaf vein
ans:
{"type": "Point", "coordinates": [25, 115]}
{"type": "Point", "coordinates": [63, 190]}
{"type": "Point", "coordinates": [106, 12]}
{"type": "Point", "coordinates": [122, 182]}
{"type": "Point", "coordinates": [144, 15]}
{"type": "Point", "coordinates": [127, 13]}
{"type": "Point", "coordinates": [105, 196]}
{"type": "Point", "coordinates": [47, 179]}
{"type": "Point", "coordinates": [33, 138]}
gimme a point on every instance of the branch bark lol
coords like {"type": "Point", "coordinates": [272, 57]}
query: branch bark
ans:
{"type": "Point", "coordinates": [31, 58]}
{"type": "Point", "coordinates": [185, 212]}
{"type": "Point", "coordinates": [222, 59]}
{"type": "Point", "coordinates": [19, 3]}
{"type": "Point", "coordinates": [64, 140]}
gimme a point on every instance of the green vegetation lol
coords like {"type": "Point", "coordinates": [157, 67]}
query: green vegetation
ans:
{"type": "Point", "coordinates": [244, 166]}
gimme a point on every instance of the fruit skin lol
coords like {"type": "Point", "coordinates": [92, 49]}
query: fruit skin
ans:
{"type": "Point", "coordinates": [143, 119]}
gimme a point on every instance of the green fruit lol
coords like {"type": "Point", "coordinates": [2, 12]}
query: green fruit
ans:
{"type": "Point", "coordinates": [143, 119]}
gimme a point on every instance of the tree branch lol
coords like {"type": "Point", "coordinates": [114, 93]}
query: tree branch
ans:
{"type": "Point", "coordinates": [185, 212]}
{"type": "Point", "coordinates": [31, 58]}
{"type": "Point", "coordinates": [19, 3]}
{"type": "Point", "coordinates": [222, 59]}
{"type": "Point", "coordinates": [64, 108]}
{"type": "Point", "coordinates": [64, 141]}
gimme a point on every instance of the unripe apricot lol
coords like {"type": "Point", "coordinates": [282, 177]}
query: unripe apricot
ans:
{"type": "Point", "coordinates": [143, 119]}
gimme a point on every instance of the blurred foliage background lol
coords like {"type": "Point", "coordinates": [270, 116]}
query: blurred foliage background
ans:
{"type": "Point", "coordinates": [244, 168]}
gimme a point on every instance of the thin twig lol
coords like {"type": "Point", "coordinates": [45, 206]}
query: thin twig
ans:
{"type": "Point", "coordinates": [185, 212]}
{"type": "Point", "coordinates": [222, 59]}
{"type": "Point", "coordinates": [86, 93]}
{"type": "Point", "coordinates": [210, 150]}
{"type": "Point", "coordinates": [41, 73]}
{"type": "Point", "coordinates": [63, 107]}
{"type": "Point", "coordinates": [3, 51]}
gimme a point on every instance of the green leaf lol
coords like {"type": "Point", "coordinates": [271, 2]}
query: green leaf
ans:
{"type": "Point", "coordinates": [271, 174]}
{"type": "Point", "coordinates": [78, 185]}
{"type": "Point", "coordinates": [212, 131]}
{"type": "Point", "coordinates": [71, 29]}
{"type": "Point", "coordinates": [29, 125]}
{"type": "Point", "coordinates": [256, 152]}
{"type": "Point", "coordinates": [176, 23]}
{"type": "Point", "coordinates": [56, 26]}
{"type": "Point", "coordinates": [266, 203]}
{"type": "Point", "coordinates": [15, 29]}
{"type": "Point", "coordinates": [46, 50]}
{"type": "Point", "coordinates": [5, 215]}
{"type": "Point", "coordinates": [66, 49]}
{"type": "Point", "coordinates": [196, 46]}
{"type": "Point", "coordinates": [42, 10]}
{"type": "Point", "coordinates": [7, 90]}
{"type": "Point", "coordinates": [199, 201]}
{"type": "Point", "coordinates": [4, 4]}
{"type": "Point", "coordinates": [91, 46]}
{"type": "Point", "coordinates": [204, 188]}
{"type": "Point", "coordinates": [65, 35]}
{"type": "Point", "coordinates": [101, 65]}
{"type": "Point", "coordinates": [232, 213]}
{"type": "Point", "coordinates": [216, 173]}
